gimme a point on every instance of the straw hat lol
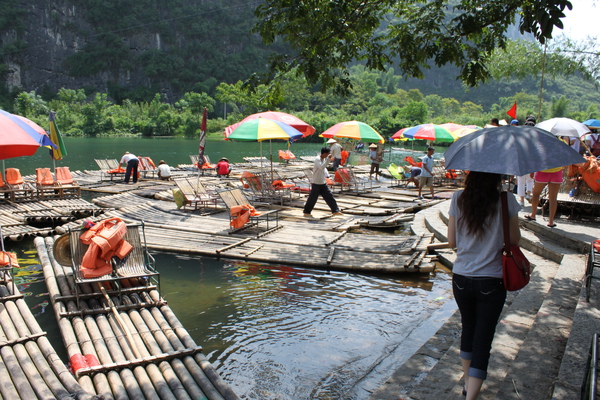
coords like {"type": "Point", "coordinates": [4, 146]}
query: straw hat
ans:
{"type": "Point", "coordinates": [223, 158]}
{"type": "Point", "coordinates": [372, 146]}
{"type": "Point", "coordinates": [62, 250]}
{"type": "Point", "coordinates": [330, 141]}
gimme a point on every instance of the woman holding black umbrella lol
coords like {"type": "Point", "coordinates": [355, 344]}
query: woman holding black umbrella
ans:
{"type": "Point", "coordinates": [475, 230]}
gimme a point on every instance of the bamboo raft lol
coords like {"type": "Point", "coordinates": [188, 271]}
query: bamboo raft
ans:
{"type": "Point", "coordinates": [16, 217]}
{"type": "Point", "coordinates": [308, 243]}
{"type": "Point", "coordinates": [134, 346]}
{"type": "Point", "coordinates": [29, 365]}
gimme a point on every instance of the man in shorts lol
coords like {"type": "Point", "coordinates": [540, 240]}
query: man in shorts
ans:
{"type": "Point", "coordinates": [426, 177]}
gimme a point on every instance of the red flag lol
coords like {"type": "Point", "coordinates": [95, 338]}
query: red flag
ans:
{"type": "Point", "coordinates": [513, 111]}
{"type": "Point", "coordinates": [202, 143]}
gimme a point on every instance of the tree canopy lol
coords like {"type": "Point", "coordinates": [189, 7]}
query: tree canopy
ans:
{"type": "Point", "coordinates": [327, 37]}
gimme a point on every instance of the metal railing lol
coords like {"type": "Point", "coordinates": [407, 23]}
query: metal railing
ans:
{"type": "Point", "coordinates": [588, 387]}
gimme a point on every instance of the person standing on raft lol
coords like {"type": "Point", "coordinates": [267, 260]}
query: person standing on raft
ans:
{"type": "Point", "coordinates": [131, 162]}
{"type": "Point", "coordinates": [319, 185]}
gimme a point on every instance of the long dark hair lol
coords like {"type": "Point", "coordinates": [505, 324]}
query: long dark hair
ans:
{"type": "Point", "coordinates": [478, 202]}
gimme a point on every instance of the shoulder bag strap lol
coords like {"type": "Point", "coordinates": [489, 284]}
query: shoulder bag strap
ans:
{"type": "Point", "coordinates": [506, 229]}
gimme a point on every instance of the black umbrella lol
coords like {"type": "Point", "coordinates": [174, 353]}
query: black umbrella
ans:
{"type": "Point", "coordinates": [511, 150]}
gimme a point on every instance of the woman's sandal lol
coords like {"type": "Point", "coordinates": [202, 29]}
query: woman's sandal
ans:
{"type": "Point", "coordinates": [551, 225]}
{"type": "Point", "coordinates": [529, 218]}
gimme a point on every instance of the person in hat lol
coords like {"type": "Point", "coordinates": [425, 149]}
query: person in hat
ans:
{"type": "Point", "coordinates": [514, 122]}
{"type": "Point", "coordinates": [318, 185]}
{"type": "Point", "coordinates": [426, 177]}
{"type": "Point", "coordinates": [375, 157]}
{"type": "Point", "coordinates": [131, 162]}
{"type": "Point", "coordinates": [336, 153]}
{"type": "Point", "coordinates": [223, 167]}
{"type": "Point", "coordinates": [163, 171]}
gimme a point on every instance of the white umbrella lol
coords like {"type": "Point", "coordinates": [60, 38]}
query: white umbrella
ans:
{"type": "Point", "coordinates": [564, 127]}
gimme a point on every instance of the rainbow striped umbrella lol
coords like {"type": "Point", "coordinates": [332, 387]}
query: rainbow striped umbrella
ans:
{"type": "Point", "coordinates": [260, 129]}
{"type": "Point", "coordinates": [431, 132]}
{"type": "Point", "coordinates": [353, 130]}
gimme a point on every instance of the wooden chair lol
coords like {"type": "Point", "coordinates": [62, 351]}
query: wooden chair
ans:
{"type": "Point", "coordinates": [146, 167]}
{"type": "Point", "coordinates": [195, 194]}
{"type": "Point", "coordinates": [236, 201]}
{"type": "Point", "coordinates": [45, 184]}
{"type": "Point", "coordinates": [69, 186]}
{"type": "Point", "coordinates": [135, 272]}
{"type": "Point", "coordinates": [205, 166]}
{"type": "Point", "coordinates": [111, 168]}
{"type": "Point", "coordinates": [349, 182]}
{"type": "Point", "coordinates": [14, 187]}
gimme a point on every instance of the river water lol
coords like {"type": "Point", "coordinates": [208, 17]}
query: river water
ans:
{"type": "Point", "coordinates": [273, 332]}
{"type": "Point", "coordinates": [81, 152]}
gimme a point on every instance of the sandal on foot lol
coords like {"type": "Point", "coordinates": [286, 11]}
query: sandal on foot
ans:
{"type": "Point", "coordinates": [551, 225]}
{"type": "Point", "coordinates": [529, 217]}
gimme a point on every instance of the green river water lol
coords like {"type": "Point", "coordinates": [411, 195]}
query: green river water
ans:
{"type": "Point", "coordinates": [272, 331]}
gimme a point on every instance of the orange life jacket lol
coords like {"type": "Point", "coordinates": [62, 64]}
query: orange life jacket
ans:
{"type": "Point", "coordinates": [13, 176]}
{"type": "Point", "coordinates": [286, 155]}
{"type": "Point", "coordinates": [63, 176]}
{"type": "Point", "coordinates": [451, 174]}
{"type": "Point", "coordinates": [412, 162]}
{"type": "Point", "coordinates": [345, 156]}
{"type": "Point", "coordinates": [43, 176]}
{"type": "Point", "coordinates": [8, 258]}
{"type": "Point", "coordinates": [341, 176]}
{"type": "Point", "coordinates": [105, 240]}
{"type": "Point", "coordinates": [279, 184]}
{"type": "Point", "coordinates": [240, 215]}
{"type": "Point", "coordinates": [590, 173]}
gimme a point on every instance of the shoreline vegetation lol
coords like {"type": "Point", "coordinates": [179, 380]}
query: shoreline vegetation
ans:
{"type": "Point", "coordinates": [376, 99]}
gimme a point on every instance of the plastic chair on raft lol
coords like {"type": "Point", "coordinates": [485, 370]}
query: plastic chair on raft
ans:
{"type": "Point", "coordinates": [112, 257]}
{"type": "Point", "coordinates": [14, 187]}
{"type": "Point", "coordinates": [242, 214]}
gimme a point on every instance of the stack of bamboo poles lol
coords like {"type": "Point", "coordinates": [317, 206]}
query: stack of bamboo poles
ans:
{"type": "Point", "coordinates": [135, 345]}
{"type": "Point", "coordinates": [29, 366]}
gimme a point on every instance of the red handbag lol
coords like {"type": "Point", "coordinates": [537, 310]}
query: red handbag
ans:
{"type": "Point", "coordinates": [516, 269]}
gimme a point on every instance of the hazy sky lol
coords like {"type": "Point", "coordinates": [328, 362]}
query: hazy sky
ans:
{"type": "Point", "coordinates": [583, 20]}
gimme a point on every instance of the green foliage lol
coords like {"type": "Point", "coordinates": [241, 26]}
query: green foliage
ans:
{"type": "Point", "coordinates": [328, 36]}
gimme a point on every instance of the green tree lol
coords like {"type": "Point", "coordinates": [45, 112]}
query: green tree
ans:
{"type": "Point", "coordinates": [327, 36]}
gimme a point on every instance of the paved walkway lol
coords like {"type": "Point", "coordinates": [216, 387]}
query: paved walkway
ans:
{"type": "Point", "coordinates": [541, 343]}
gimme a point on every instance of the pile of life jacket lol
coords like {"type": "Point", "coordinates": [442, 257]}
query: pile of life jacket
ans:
{"type": "Point", "coordinates": [240, 215]}
{"type": "Point", "coordinates": [412, 162]}
{"type": "Point", "coordinates": [589, 172]}
{"type": "Point", "coordinates": [105, 240]}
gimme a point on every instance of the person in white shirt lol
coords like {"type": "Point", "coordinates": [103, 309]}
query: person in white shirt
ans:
{"type": "Point", "coordinates": [164, 171]}
{"type": "Point", "coordinates": [426, 177]}
{"type": "Point", "coordinates": [131, 162]}
{"type": "Point", "coordinates": [336, 153]}
{"type": "Point", "coordinates": [319, 186]}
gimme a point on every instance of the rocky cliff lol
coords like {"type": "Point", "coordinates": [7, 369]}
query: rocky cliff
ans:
{"type": "Point", "coordinates": [126, 47]}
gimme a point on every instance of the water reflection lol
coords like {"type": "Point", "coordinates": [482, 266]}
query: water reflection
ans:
{"type": "Point", "coordinates": [278, 332]}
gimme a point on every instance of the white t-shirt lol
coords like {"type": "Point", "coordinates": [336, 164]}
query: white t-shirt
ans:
{"type": "Point", "coordinates": [481, 257]}
{"type": "Point", "coordinates": [125, 159]}
{"type": "Point", "coordinates": [336, 150]}
{"type": "Point", "coordinates": [164, 171]}
{"type": "Point", "coordinates": [429, 162]}
{"type": "Point", "coordinates": [320, 170]}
